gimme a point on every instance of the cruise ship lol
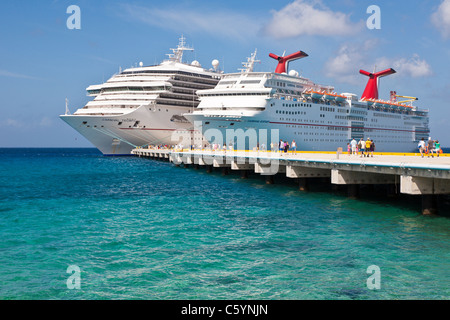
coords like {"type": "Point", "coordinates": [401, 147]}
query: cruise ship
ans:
{"type": "Point", "coordinates": [143, 105]}
{"type": "Point", "coordinates": [251, 109]}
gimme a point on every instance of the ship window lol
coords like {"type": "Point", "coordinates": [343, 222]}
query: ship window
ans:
{"type": "Point", "coordinates": [84, 122]}
{"type": "Point", "coordinates": [120, 123]}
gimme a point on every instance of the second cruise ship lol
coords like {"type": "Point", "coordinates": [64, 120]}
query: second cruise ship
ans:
{"type": "Point", "coordinates": [256, 109]}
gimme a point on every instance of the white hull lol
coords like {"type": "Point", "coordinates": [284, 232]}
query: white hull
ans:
{"type": "Point", "coordinates": [311, 127]}
{"type": "Point", "coordinates": [118, 135]}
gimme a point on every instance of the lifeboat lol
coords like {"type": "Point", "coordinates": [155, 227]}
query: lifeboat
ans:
{"type": "Point", "coordinates": [307, 93]}
{"type": "Point", "coordinates": [330, 96]}
{"type": "Point", "coordinates": [370, 102]}
{"type": "Point", "coordinates": [317, 94]}
{"type": "Point", "coordinates": [379, 103]}
{"type": "Point", "coordinates": [340, 98]}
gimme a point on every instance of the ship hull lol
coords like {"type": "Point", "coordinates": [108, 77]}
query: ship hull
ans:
{"type": "Point", "coordinates": [314, 127]}
{"type": "Point", "coordinates": [119, 134]}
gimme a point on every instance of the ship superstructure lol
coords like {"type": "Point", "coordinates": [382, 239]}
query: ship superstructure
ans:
{"type": "Point", "coordinates": [254, 109]}
{"type": "Point", "coordinates": [143, 105]}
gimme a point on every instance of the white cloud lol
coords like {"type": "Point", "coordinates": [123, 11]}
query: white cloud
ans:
{"type": "Point", "coordinates": [350, 58]}
{"type": "Point", "coordinates": [216, 22]}
{"type": "Point", "coordinates": [45, 122]}
{"type": "Point", "coordinates": [309, 18]}
{"type": "Point", "coordinates": [441, 18]}
{"type": "Point", "coordinates": [414, 67]}
{"type": "Point", "coordinates": [347, 62]}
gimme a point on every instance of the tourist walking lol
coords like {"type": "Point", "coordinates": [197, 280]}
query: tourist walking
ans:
{"type": "Point", "coordinates": [361, 146]}
{"type": "Point", "coordinates": [372, 148]}
{"type": "Point", "coordinates": [430, 147]}
{"type": "Point", "coordinates": [367, 145]}
{"type": "Point", "coordinates": [294, 146]}
{"type": "Point", "coordinates": [286, 147]}
{"type": "Point", "coordinates": [437, 147]}
{"type": "Point", "coordinates": [421, 146]}
{"type": "Point", "coordinates": [354, 145]}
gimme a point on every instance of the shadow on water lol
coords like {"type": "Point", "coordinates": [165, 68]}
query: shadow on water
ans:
{"type": "Point", "coordinates": [377, 194]}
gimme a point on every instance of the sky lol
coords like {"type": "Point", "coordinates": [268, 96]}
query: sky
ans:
{"type": "Point", "coordinates": [43, 62]}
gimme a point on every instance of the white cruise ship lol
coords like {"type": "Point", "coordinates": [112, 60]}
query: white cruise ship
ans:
{"type": "Point", "coordinates": [143, 105]}
{"type": "Point", "coordinates": [250, 109]}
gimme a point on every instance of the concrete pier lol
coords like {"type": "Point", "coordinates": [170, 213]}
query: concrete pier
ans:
{"type": "Point", "coordinates": [411, 175]}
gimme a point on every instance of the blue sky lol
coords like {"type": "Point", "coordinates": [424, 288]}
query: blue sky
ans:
{"type": "Point", "coordinates": [42, 62]}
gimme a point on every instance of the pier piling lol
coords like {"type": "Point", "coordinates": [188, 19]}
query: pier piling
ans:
{"type": "Point", "coordinates": [353, 191]}
{"type": "Point", "coordinates": [400, 174]}
{"type": "Point", "coordinates": [429, 204]}
{"type": "Point", "coordinates": [302, 184]}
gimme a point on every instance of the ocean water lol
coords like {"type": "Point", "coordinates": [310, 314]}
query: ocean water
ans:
{"type": "Point", "coordinates": [144, 229]}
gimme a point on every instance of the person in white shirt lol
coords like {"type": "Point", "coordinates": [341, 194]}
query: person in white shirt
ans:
{"type": "Point", "coordinates": [353, 144]}
{"type": "Point", "coordinates": [421, 146]}
{"type": "Point", "coordinates": [294, 146]}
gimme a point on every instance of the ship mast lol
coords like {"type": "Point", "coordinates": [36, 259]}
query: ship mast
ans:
{"type": "Point", "coordinates": [177, 54]}
{"type": "Point", "coordinates": [248, 66]}
{"type": "Point", "coordinates": [67, 107]}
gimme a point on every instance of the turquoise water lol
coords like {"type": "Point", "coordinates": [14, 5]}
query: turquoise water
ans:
{"type": "Point", "coordinates": [143, 229]}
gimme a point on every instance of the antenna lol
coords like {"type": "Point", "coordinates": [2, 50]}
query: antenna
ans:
{"type": "Point", "coordinates": [67, 107]}
{"type": "Point", "coordinates": [248, 66]}
{"type": "Point", "coordinates": [284, 61]}
{"type": "Point", "coordinates": [177, 54]}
